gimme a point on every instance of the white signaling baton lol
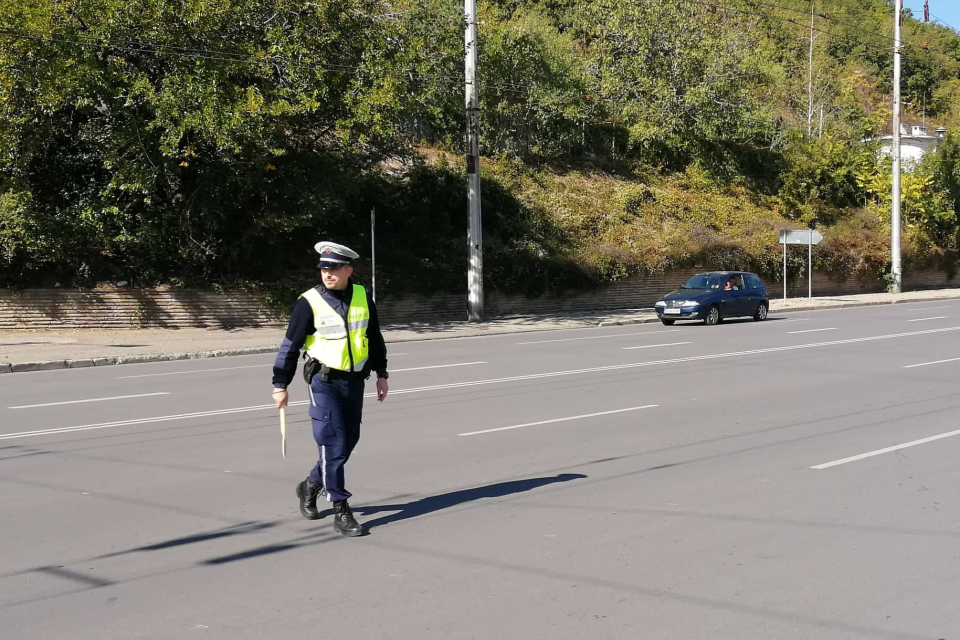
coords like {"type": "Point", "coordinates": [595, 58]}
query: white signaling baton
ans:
{"type": "Point", "coordinates": [283, 432]}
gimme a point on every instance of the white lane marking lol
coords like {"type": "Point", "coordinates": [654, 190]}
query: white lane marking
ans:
{"type": "Point", "coordinates": [926, 364]}
{"type": "Point", "coordinates": [555, 420]}
{"type": "Point", "coordinates": [813, 330]}
{"type": "Point", "coordinates": [924, 319]}
{"type": "Point", "coordinates": [455, 385]}
{"type": "Point", "coordinates": [136, 421]}
{"type": "Point", "coordinates": [652, 363]}
{"type": "Point", "coordinates": [437, 366]}
{"type": "Point", "coordinates": [885, 306]}
{"type": "Point", "coordinates": [878, 452]}
{"type": "Point", "coordinates": [57, 404]}
{"type": "Point", "coordinates": [651, 346]}
{"type": "Point", "coordinates": [251, 366]}
{"type": "Point", "coordinates": [927, 308]}
{"type": "Point", "coordinates": [180, 373]}
{"type": "Point", "coordinates": [613, 335]}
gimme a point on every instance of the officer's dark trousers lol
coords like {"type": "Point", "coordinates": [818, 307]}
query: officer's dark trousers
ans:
{"type": "Point", "coordinates": [336, 408]}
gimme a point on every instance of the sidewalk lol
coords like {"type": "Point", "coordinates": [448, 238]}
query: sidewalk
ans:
{"type": "Point", "coordinates": [27, 350]}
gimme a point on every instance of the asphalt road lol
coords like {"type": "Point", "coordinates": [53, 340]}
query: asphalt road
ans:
{"type": "Point", "coordinates": [628, 482]}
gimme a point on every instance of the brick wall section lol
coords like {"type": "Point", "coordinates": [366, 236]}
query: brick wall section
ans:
{"type": "Point", "coordinates": [826, 285]}
{"type": "Point", "coordinates": [169, 308]}
{"type": "Point", "coordinates": [122, 309]}
{"type": "Point", "coordinates": [635, 292]}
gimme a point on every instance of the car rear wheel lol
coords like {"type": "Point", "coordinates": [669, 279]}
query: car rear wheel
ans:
{"type": "Point", "coordinates": [713, 316]}
{"type": "Point", "coordinates": [762, 312]}
{"type": "Point", "coordinates": [667, 321]}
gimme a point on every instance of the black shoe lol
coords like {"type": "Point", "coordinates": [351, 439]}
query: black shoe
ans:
{"type": "Point", "coordinates": [343, 521]}
{"type": "Point", "coordinates": [307, 491]}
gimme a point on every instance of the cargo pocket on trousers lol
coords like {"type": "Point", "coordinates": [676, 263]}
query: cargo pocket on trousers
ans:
{"type": "Point", "coordinates": [323, 431]}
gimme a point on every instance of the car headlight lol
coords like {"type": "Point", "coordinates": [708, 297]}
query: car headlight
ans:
{"type": "Point", "coordinates": [689, 303]}
{"type": "Point", "coordinates": [660, 304]}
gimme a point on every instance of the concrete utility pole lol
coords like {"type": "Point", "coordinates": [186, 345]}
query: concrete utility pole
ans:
{"type": "Point", "coordinates": [475, 228]}
{"type": "Point", "coordinates": [810, 80]}
{"type": "Point", "coordinates": [895, 267]}
{"type": "Point", "coordinates": [373, 250]}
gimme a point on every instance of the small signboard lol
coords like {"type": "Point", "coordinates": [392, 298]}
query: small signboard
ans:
{"type": "Point", "coordinates": [808, 237]}
{"type": "Point", "coordinates": [789, 236]}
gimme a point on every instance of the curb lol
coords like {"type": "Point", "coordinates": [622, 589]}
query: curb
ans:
{"type": "Point", "coordinates": [854, 305]}
{"type": "Point", "coordinates": [623, 323]}
{"type": "Point", "coordinates": [50, 365]}
{"type": "Point", "coordinates": [484, 334]}
{"type": "Point", "coordinates": [809, 307]}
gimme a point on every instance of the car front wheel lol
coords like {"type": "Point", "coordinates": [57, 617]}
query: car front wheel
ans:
{"type": "Point", "coordinates": [713, 316]}
{"type": "Point", "coordinates": [667, 321]}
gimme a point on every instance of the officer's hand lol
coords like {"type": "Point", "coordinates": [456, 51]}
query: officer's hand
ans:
{"type": "Point", "coordinates": [280, 398]}
{"type": "Point", "coordinates": [382, 389]}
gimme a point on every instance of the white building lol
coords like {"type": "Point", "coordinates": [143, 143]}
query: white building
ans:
{"type": "Point", "coordinates": [914, 144]}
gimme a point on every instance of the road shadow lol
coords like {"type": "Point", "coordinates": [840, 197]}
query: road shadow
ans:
{"type": "Point", "coordinates": [744, 320]}
{"type": "Point", "coordinates": [751, 320]}
{"type": "Point", "coordinates": [431, 504]}
{"type": "Point", "coordinates": [424, 506]}
{"type": "Point", "coordinates": [226, 532]}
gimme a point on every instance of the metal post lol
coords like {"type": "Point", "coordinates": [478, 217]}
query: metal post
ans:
{"type": "Point", "coordinates": [895, 267]}
{"type": "Point", "coordinates": [475, 228]}
{"type": "Point", "coordinates": [810, 265]}
{"type": "Point", "coordinates": [373, 250]}
{"type": "Point", "coordinates": [784, 266]}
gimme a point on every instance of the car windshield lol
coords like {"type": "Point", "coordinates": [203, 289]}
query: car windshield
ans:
{"type": "Point", "coordinates": [704, 282]}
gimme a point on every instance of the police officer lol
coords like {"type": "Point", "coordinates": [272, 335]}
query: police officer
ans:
{"type": "Point", "coordinates": [336, 322]}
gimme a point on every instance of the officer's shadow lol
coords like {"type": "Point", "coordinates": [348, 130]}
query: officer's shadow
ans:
{"type": "Point", "coordinates": [431, 504]}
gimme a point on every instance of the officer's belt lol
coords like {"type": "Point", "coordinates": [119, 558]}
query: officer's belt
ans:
{"type": "Point", "coordinates": [337, 374]}
{"type": "Point", "coordinates": [313, 367]}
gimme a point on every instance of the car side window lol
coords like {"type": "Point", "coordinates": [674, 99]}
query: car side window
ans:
{"type": "Point", "coordinates": [753, 282]}
{"type": "Point", "coordinates": [733, 283]}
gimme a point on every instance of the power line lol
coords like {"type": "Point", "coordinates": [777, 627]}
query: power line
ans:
{"type": "Point", "coordinates": [135, 46]}
{"type": "Point", "coordinates": [140, 46]}
{"type": "Point", "coordinates": [874, 34]}
{"type": "Point", "coordinates": [765, 15]}
{"type": "Point", "coordinates": [944, 23]}
{"type": "Point", "coordinates": [886, 38]}
{"type": "Point", "coordinates": [885, 49]}
{"type": "Point", "coordinates": [220, 55]}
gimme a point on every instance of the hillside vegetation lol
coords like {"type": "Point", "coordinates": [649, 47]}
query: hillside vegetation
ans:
{"type": "Point", "coordinates": [211, 142]}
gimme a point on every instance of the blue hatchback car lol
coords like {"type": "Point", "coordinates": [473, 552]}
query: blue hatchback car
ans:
{"type": "Point", "coordinates": [714, 296]}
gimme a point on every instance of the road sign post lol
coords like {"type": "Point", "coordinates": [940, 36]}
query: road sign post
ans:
{"type": "Point", "coordinates": [810, 238]}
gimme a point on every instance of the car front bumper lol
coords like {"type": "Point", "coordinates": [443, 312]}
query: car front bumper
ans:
{"type": "Point", "coordinates": [686, 313]}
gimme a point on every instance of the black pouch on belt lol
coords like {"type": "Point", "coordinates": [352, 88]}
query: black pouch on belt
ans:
{"type": "Point", "coordinates": [311, 368]}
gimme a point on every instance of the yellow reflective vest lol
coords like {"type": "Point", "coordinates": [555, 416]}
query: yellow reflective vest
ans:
{"type": "Point", "coordinates": [337, 343]}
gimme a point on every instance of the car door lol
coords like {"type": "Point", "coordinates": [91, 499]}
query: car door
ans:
{"type": "Point", "coordinates": [728, 304]}
{"type": "Point", "coordinates": [736, 300]}
{"type": "Point", "coordinates": [754, 293]}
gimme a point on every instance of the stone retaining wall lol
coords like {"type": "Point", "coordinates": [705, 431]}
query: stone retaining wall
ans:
{"type": "Point", "coordinates": [172, 308]}
{"type": "Point", "coordinates": [130, 308]}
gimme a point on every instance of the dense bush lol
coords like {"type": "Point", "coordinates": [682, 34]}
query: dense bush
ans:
{"type": "Point", "coordinates": [204, 142]}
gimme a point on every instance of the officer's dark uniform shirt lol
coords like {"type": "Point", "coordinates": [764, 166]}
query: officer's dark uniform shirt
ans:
{"type": "Point", "coordinates": [302, 325]}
